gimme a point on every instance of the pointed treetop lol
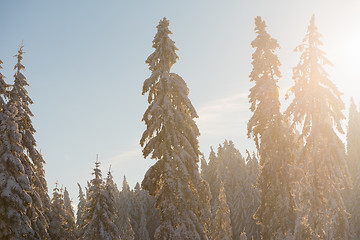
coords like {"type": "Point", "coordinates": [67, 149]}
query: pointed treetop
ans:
{"type": "Point", "coordinates": [164, 55]}
{"type": "Point", "coordinates": [137, 187]}
{"type": "Point", "coordinates": [203, 162]}
{"type": "Point", "coordinates": [259, 24]}
{"type": "Point", "coordinates": [19, 57]}
{"type": "Point", "coordinates": [125, 186]}
{"type": "Point", "coordinates": [312, 21]}
{"type": "Point", "coordinates": [97, 171]}
{"type": "Point", "coordinates": [109, 175]}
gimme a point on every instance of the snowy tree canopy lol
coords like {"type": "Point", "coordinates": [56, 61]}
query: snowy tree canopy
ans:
{"type": "Point", "coordinates": [171, 138]}
{"type": "Point", "coordinates": [272, 137]}
{"type": "Point", "coordinates": [100, 211]}
{"type": "Point", "coordinates": [317, 107]}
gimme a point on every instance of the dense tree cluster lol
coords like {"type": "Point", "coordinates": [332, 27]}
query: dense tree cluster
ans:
{"type": "Point", "coordinates": [301, 183]}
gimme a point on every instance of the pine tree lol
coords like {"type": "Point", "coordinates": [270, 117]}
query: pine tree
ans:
{"type": "Point", "coordinates": [252, 197]}
{"type": "Point", "coordinates": [124, 209]}
{"type": "Point", "coordinates": [100, 212]}
{"type": "Point", "coordinates": [353, 159]}
{"type": "Point", "coordinates": [57, 223]}
{"type": "Point", "coordinates": [15, 186]}
{"type": "Point", "coordinates": [70, 225]}
{"type": "Point", "coordinates": [141, 204]}
{"type": "Point", "coordinates": [272, 138]}
{"type": "Point", "coordinates": [152, 214]}
{"type": "Point", "coordinates": [222, 230]}
{"type": "Point", "coordinates": [317, 107]}
{"type": "Point", "coordinates": [80, 209]}
{"type": "Point", "coordinates": [20, 99]}
{"type": "Point", "coordinates": [171, 139]}
{"type": "Point", "coordinates": [212, 178]}
{"type": "Point", "coordinates": [204, 167]}
{"type": "Point", "coordinates": [353, 141]}
{"type": "Point", "coordinates": [232, 173]}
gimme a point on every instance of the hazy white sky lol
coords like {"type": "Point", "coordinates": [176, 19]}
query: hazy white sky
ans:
{"type": "Point", "coordinates": [85, 63]}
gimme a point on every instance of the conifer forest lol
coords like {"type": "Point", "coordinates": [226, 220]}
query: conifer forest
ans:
{"type": "Point", "coordinates": [300, 181]}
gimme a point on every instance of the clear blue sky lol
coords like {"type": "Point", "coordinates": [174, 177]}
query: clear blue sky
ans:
{"type": "Point", "coordinates": [85, 63]}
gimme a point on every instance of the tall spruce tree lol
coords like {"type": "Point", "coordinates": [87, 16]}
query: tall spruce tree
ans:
{"type": "Point", "coordinates": [232, 173]}
{"type": "Point", "coordinates": [15, 186]}
{"type": "Point", "coordinates": [80, 210]}
{"type": "Point", "coordinates": [171, 139]}
{"type": "Point", "coordinates": [222, 228]}
{"type": "Point", "coordinates": [70, 225]}
{"type": "Point", "coordinates": [211, 175]}
{"type": "Point", "coordinates": [353, 158]}
{"type": "Point", "coordinates": [353, 141]}
{"type": "Point", "coordinates": [57, 228]}
{"type": "Point", "coordinates": [272, 138]}
{"type": "Point", "coordinates": [125, 206]}
{"type": "Point", "coordinates": [141, 205]}
{"type": "Point", "coordinates": [100, 212]}
{"type": "Point", "coordinates": [20, 99]}
{"type": "Point", "coordinates": [317, 107]}
{"type": "Point", "coordinates": [252, 198]}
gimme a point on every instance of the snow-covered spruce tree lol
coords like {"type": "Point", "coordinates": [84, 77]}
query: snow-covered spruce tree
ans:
{"type": "Point", "coordinates": [140, 209]}
{"type": "Point", "coordinates": [80, 209]}
{"type": "Point", "coordinates": [212, 178]}
{"type": "Point", "coordinates": [353, 159]}
{"type": "Point", "coordinates": [113, 190]}
{"type": "Point", "coordinates": [222, 227]}
{"type": "Point", "coordinates": [100, 212]}
{"type": "Point", "coordinates": [252, 197]}
{"type": "Point", "coordinates": [125, 206]}
{"type": "Point", "coordinates": [15, 187]}
{"type": "Point", "coordinates": [317, 107]}
{"type": "Point", "coordinates": [57, 222]}
{"type": "Point", "coordinates": [272, 138]}
{"type": "Point", "coordinates": [70, 225]}
{"type": "Point", "coordinates": [232, 173]}
{"type": "Point", "coordinates": [171, 139]}
{"type": "Point", "coordinates": [353, 141]}
{"type": "Point", "coordinates": [152, 214]}
{"type": "Point", "coordinates": [20, 99]}
{"type": "Point", "coordinates": [204, 167]}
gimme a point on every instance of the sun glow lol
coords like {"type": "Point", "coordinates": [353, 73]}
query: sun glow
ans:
{"type": "Point", "coordinates": [344, 53]}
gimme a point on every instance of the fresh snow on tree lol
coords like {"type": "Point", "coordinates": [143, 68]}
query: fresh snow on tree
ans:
{"type": "Point", "coordinates": [171, 139]}
{"type": "Point", "coordinates": [222, 227]}
{"type": "Point", "coordinates": [141, 218]}
{"type": "Point", "coordinates": [80, 210]}
{"type": "Point", "coordinates": [70, 225]}
{"type": "Point", "coordinates": [252, 197]}
{"type": "Point", "coordinates": [353, 159]}
{"type": "Point", "coordinates": [15, 186]}
{"type": "Point", "coordinates": [124, 209]}
{"type": "Point", "coordinates": [273, 139]}
{"type": "Point", "coordinates": [100, 211]}
{"type": "Point", "coordinates": [239, 180]}
{"type": "Point", "coordinates": [57, 228]}
{"type": "Point", "coordinates": [19, 98]}
{"type": "Point", "coordinates": [317, 107]}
